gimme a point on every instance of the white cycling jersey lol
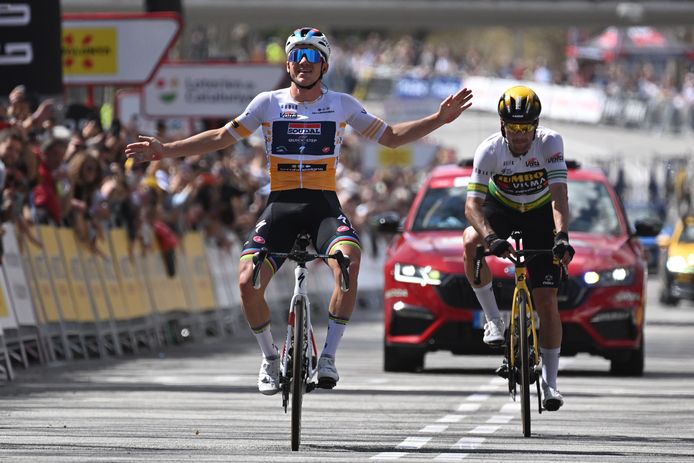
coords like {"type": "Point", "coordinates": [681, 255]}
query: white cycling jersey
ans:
{"type": "Point", "coordinates": [303, 140]}
{"type": "Point", "coordinates": [521, 183]}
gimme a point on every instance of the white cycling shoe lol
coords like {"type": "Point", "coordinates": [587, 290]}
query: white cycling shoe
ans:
{"type": "Point", "coordinates": [552, 400]}
{"type": "Point", "coordinates": [269, 376]}
{"type": "Point", "coordinates": [494, 332]}
{"type": "Point", "coordinates": [327, 373]}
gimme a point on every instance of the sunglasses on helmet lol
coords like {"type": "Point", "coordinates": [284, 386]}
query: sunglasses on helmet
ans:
{"type": "Point", "coordinates": [312, 56]}
{"type": "Point", "coordinates": [519, 128]}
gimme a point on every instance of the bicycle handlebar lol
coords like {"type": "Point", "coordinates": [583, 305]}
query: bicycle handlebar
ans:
{"type": "Point", "coordinates": [301, 257]}
{"type": "Point", "coordinates": [526, 254]}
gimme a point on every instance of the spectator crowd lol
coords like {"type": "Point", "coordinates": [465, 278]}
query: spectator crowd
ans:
{"type": "Point", "coordinates": [79, 178]}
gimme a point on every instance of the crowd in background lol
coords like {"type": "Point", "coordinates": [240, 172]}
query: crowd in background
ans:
{"type": "Point", "coordinates": [79, 178]}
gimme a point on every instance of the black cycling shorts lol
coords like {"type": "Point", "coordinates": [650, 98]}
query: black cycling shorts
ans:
{"type": "Point", "coordinates": [537, 226]}
{"type": "Point", "coordinates": [290, 212]}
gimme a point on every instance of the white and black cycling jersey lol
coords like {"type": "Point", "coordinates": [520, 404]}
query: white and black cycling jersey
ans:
{"type": "Point", "coordinates": [521, 183]}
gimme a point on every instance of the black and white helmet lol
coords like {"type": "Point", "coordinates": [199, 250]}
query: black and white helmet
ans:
{"type": "Point", "coordinates": [309, 36]}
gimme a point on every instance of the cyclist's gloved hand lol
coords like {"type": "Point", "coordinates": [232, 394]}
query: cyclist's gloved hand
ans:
{"type": "Point", "coordinates": [562, 246]}
{"type": "Point", "coordinates": [496, 245]}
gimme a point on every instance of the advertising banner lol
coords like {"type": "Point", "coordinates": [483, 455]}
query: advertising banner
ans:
{"type": "Point", "coordinates": [30, 46]}
{"type": "Point", "coordinates": [115, 49]}
{"type": "Point", "coordinates": [208, 89]}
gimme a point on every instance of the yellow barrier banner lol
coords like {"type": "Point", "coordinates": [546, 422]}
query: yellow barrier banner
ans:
{"type": "Point", "coordinates": [91, 271]}
{"type": "Point", "coordinates": [200, 276]}
{"type": "Point", "coordinates": [132, 284]}
{"type": "Point", "coordinates": [4, 307]}
{"type": "Point", "coordinates": [111, 284]}
{"type": "Point", "coordinates": [32, 283]}
{"type": "Point", "coordinates": [153, 267]}
{"type": "Point", "coordinates": [58, 272]}
{"type": "Point", "coordinates": [39, 267]}
{"type": "Point", "coordinates": [75, 273]}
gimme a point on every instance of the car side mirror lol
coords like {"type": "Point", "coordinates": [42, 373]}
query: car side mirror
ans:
{"type": "Point", "coordinates": [388, 223]}
{"type": "Point", "coordinates": [648, 227]}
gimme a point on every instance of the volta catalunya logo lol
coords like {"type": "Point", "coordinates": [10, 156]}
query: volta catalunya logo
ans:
{"type": "Point", "coordinates": [167, 89]}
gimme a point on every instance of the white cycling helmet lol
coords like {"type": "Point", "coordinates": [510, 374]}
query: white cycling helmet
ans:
{"type": "Point", "coordinates": [309, 36]}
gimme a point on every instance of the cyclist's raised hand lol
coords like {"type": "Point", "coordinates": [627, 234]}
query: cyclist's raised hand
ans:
{"type": "Point", "coordinates": [148, 149]}
{"type": "Point", "coordinates": [497, 246]}
{"type": "Point", "coordinates": [454, 105]}
{"type": "Point", "coordinates": [562, 249]}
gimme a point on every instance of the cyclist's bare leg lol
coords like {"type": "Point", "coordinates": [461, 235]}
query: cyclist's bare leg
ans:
{"type": "Point", "coordinates": [546, 305]}
{"type": "Point", "coordinates": [342, 304]}
{"type": "Point", "coordinates": [471, 239]}
{"type": "Point", "coordinates": [254, 305]}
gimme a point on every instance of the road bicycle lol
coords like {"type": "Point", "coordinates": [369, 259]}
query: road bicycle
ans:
{"type": "Point", "coordinates": [298, 358]}
{"type": "Point", "coordinates": [522, 365]}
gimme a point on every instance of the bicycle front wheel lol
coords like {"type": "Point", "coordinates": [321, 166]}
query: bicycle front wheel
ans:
{"type": "Point", "coordinates": [524, 354]}
{"type": "Point", "coordinates": [298, 385]}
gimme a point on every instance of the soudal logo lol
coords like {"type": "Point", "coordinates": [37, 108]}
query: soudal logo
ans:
{"type": "Point", "coordinates": [532, 162]}
{"type": "Point", "coordinates": [303, 129]}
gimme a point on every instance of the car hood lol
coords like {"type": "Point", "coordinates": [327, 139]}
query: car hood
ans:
{"type": "Point", "coordinates": [444, 251]}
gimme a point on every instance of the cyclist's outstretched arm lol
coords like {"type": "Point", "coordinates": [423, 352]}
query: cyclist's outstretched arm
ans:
{"type": "Point", "coordinates": [406, 132]}
{"type": "Point", "coordinates": [150, 148]}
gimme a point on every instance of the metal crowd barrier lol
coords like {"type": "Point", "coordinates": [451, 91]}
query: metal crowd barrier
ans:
{"type": "Point", "coordinates": [62, 301]}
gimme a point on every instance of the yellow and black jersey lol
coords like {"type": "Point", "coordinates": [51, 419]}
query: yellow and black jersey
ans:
{"type": "Point", "coordinates": [303, 140]}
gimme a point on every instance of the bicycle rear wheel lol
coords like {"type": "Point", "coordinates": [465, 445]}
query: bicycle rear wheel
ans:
{"type": "Point", "coordinates": [524, 354]}
{"type": "Point", "coordinates": [298, 385]}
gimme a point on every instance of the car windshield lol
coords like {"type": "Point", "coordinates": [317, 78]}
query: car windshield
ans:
{"type": "Point", "coordinates": [687, 235]}
{"type": "Point", "coordinates": [442, 209]}
{"type": "Point", "coordinates": [592, 209]}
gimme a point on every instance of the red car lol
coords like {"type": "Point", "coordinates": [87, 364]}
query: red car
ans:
{"type": "Point", "coordinates": [429, 304]}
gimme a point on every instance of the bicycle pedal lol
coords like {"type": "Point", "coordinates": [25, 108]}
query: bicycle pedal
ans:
{"type": "Point", "coordinates": [502, 371]}
{"type": "Point", "coordinates": [326, 383]}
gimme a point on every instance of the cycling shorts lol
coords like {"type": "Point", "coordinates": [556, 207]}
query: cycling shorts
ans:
{"type": "Point", "coordinates": [289, 212]}
{"type": "Point", "coordinates": [537, 226]}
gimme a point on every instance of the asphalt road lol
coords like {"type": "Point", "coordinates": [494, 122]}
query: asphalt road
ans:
{"type": "Point", "coordinates": [199, 402]}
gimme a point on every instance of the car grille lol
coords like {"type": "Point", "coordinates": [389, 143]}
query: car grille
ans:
{"type": "Point", "coordinates": [456, 291]}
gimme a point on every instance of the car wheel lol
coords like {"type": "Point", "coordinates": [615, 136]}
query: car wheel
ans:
{"type": "Point", "coordinates": [631, 365]}
{"type": "Point", "coordinates": [397, 358]}
{"type": "Point", "coordinates": [666, 296]}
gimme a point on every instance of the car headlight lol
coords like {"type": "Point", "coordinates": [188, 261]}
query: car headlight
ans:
{"type": "Point", "coordinates": [620, 276]}
{"type": "Point", "coordinates": [680, 264]}
{"type": "Point", "coordinates": [408, 273]}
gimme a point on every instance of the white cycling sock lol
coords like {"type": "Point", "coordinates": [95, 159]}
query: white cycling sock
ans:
{"type": "Point", "coordinates": [264, 337]}
{"type": "Point", "coordinates": [485, 295]}
{"type": "Point", "coordinates": [550, 365]}
{"type": "Point", "coordinates": [336, 328]}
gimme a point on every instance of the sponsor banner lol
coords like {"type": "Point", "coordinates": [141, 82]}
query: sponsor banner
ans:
{"type": "Point", "coordinates": [17, 284]}
{"type": "Point", "coordinates": [30, 46]}
{"type": "Point", "coordinates": [436, 87]}
{"type": "Point", "coordinates": [417, 155]}
{"type": "Point", "coordinates": [134, 289]}
{"type": "Point", "coordinates": [558, 102]}
{"type": "Point", "coordinates": [199, 271]}
{"type": "Point", "coordinates": [75, 272]}
{"type": "Point", "coordinates": [208, 89]}
{"type": "Point", "coordinates": [58, 272]}
{"type": "Point", "coordinates": [99, 48]}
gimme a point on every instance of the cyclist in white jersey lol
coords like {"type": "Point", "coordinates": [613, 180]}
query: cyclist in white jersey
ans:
{"type": "Point", "coordinates": [519, 183]}
{"type": "Point", "coordinates": [303, 126]}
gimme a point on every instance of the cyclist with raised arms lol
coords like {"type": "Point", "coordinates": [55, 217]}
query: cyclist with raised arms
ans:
{"type": "Point", "coordinates": [304, 127]}
{"type": "Point", "coordinates": [519, 183]}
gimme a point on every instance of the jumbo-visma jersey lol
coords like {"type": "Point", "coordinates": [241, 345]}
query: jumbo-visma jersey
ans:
{"type": "Point", "coordinates": [521, 183]}
{"type": "Point", "coordinates": [303, 140]}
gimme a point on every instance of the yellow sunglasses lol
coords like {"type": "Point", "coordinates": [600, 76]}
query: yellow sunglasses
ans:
{"type": "Point", "coordinates": [519, 128]}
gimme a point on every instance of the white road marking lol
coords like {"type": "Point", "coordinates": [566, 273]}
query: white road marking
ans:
{"type": "Point", "coordinates": [478, 397]}
{"type": "Point", "coordinates": [500, 419]}
{"type": "Point", "coordinates": [434, 428]}
{"type": "Point", "coordinates": [389, 456]}
{"type": "Point", "coordinates": [510, 408]}
{"type": "Point", "coordinates": [498, 380]}
{"type": "Point", "coordinates": [468, 443]}
{"type": "Point", "coordinates": [489, 387]}
{"type": "Point", "coordinates": [484, 429]}
{"type": "Point", "coordinates": [450, 456]}
{"type": "Point", "coordinates": [469, 407]}
{"type": "Point", "coordinates": [414, 442]}
{"type": "Point", "coordinates": [451, 419]}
